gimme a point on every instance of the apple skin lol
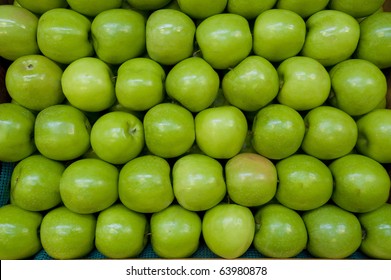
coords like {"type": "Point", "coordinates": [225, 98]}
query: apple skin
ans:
{"type": "Point", "coordinates": [175, 232]}
{"type": "Point", "coordinates": [249, 9]}
{"type": "Point", "coordinates": [374, 135]}
{"type": "Point", "coordinates": [40, 7]}
{"type": "Point", "coordinates": [198, 182]}
{"type": "Point", "coordinates": [361, 184]}
{"type": "Point", "coordinates": [67, 235]}
{"type": "Point", "coordinates": [193, 83]}
{"type": "Point", "coordinates": [122, 30]}
{"type": "Point", "coordinates": [252, 84]}
{"type": "Point", "coordinates": [357, 9]}
{"type": "Point", "coordinates": [35, 183]}
{"type": "Point", "coordinates": [224, 40]}
{"type": "Point", "coordinates": [145, 184]}
{"type": "Point", "coordinates": [333, 233]}
{"type": "Point", "coordinates": [19, 30]}
{"type": "Point", "coordinates": [280, 232]}
{"type": "Point", "coordinates": [201, 9]}
{"type": "Point", "coordinates": [305, 182]}
{"type": "Point", "coordinates": [19, 232]}
{"type": "Point", "coordinates": [326, 25]}
{"type": "Point", "coordinates": [304, 8]}
{"type": "Point", "coordinates": [62, 132]}
{"type": "Point", "coordinates": [16, 127]}
{"type": "Point", "coordinates": [92, 8]}
{"type": "Point", "coordinates": [169, 36]}
{"type": "Point", "coordinates": [228, 230]}
{"type": "Point", "coordinates": [34, 81]}
{"type": "Point", "coordinates": [251, 179]}
{"type": "Point", "coordinates": [376, 225]}
{"type": "Point", "coordinates": [278, 34]}
{"type": "Point", "coordinates": [120, 232]}
{"type": "Point", "coordinates": [63, 35]}
{"type": "Point", "coordinates": [148, 5]}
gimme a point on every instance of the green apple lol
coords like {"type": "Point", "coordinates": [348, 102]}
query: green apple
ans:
{"type": "Point", "coordinates": [145, 184]}
{"type": "Point", "coordinates": [249, 9]}
{"type": "Point", "coordinates": [169, 130]}
{"type": "Point", "coordinates": [304, 182]}
{"type": "Point", "coordinates": [34, 81]}
{"type": "Point", "coordinates": [201, 9]}
{"type": "Point", "coordinates": [148, 5]}
{"type": "Point", "coordinates": [332, 36]}
{"type": "Point", "coordinates": [304, 8]}
{"type": "Point", "coordinates": [278, 34]}
{"type": "Point", "coordinates": [67, 235]}
{"type": "Point", "coordinates": [63, 35]}
{"type": "Point", "coordinates": [198, 182]}
{"type": "Point", "coordinates": [333, 233]}
{"type": "Point", "coordinates": [252, 84]}
{"type": "Point", "coordinates": [16, 132]}
{"type": "Point", "coordinates": [169, 36]}
{"type": "Point", "coordinates": [117, 137]}
{"type": "Point", "coordinates": [42, 6]}
{"type": "Point", "coordinates": [118, 35]}
{"type": "Point", "coordinates": [35, 183]}
{"type": "Point", "coordinates": [374, 135]}
{"type": "Point", "coordinates": [62, 132]}
{"type": "Point", "coordinates": [280, 232]}
{"type": "Point", "coordinates": [228, 230]}
{"type": "Point", "coordinates": [89, 185]}
{"type": "Point", "coordinates": [19, 232]}
{"type": "Point", "coordinates": [140, 84]}
{"type": "Point", "coordinates": [376, 225]}
{"type": "Point", "coordinates": [375, 39]}
{"type": "Point", "coordinates": [92, 8]}
{"type": "Point", "coordinates": [356, 8]}
{"type": "Point", "coordinates": [220, 132]}
{"type": "Point", "coordinates": [304, 83]}
{"type": "Point", "coordinates": [175, 232]}
{"type": "Point", "coordinates": [224, 40]}
{"type": "Point", "coordinates": [278, 131]}
{"type": "Point", "coordinates": [251, 179]}
{"type": "Point", "coordinates": [18, 32]}
{"type": "Point", "coordinates": [330, 133]}
{"type": "Point", "coordinates": [120, 232]}
{"type": "Point", "coordinates": [193, 83]}
{"type": "Point", "coordinates": [361, 184]}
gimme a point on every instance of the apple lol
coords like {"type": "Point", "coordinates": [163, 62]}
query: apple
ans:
{"type": "Point", "coordinates": [19, 232]}
{"type": "Point", "coordinates": [361, 184]}
{"type": "Point", "coordinates": [358, 86]}
{"type": "Point", "coordinates": [278, 34]}
{"type": "Point", "coordinates": [169, 36]}
{"type": "Point", "coordinates": [63, 35]}
{"type": "Point", "coordinates": [201, 9]}
{"type": "Point", "coordinates": [252, 84]}
{"type": "Point", "coordinates": [35, 183]}
{"type": "Point", "coordinates": [148, 5]}
{"type": "Point", "coordinates": [304, 83]}
{"type": "Point", "coordinates": [304, 182]}
{"type": "Point", "coordinates": [122, 30]}
{"type": "Point", "coordinates": [328, 26]}
{"type": "Point", "coordinates": [224, 40]}
{"type": "Point", "coordinates": [251, 179]}
{"type": "Point", "coordinates": [278, 131]}
{"type": "Point", "coordinates": [280, 232]}
{"type": "Point", "coordinates": [228, 230]}
{"type": "Point", "coordinates": [333, 233]}
{"type": "Point", "coordinates": [140, 84]}
{"type": "Point", "coordinates": [19, 30]}
{"type": "Point", "coordinates": [120, 232]}
{"type": "Point", "coordinates": [193, 83]}
{"type": "Point", "coordinates": [375, 39]}
{"type": "Point", "coordinates": [34, 81]}
{"type": "Point", "coordinates": [304, 8]}
{"type": "Point", "coordinates": [198, 182]}
{"type": "Point", "coordinates": [220, 132]}
{"type": "Point", "coordinates": [330, 133]}
{"type": "Point", "coordinates": [144, 184]}
{"type": "Point", "coordinates": [249, 9]}
{"type": "Point", "coordinates": [374, 135]}
{"type": "Point", "coordinates": [16, 130]}
{"type": "Point", "coordinates": [175, 232]}
{"type": "Point", "coordinates": [376, 225]}
{"type": "Point", "coordinates": [357, 9]}
{"type": "Point", "coordinates": [89, 185]}
{"type": "Point", "coordinates": [67, 235]}
{"type": "Point", "coordinates": [42, 6]}
{"type": "Point", "coordinates": [92, 8]}
{"type": "Point", "coordinates": [62, 132]}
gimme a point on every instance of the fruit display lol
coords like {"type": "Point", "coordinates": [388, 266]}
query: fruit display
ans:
{"type": "Point", "coordinates": [195, 129]}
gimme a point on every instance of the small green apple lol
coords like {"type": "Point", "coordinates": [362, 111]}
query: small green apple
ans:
{"type": "Point", "coordinates": [42, 6]}
{"type": "Point", "coordinates": [201, 9]}
{"type": "Point", "coordinates": [92, 8]}
{"type": "Point", "coordinates": [148, 5]}
{"type": "Point", "coordinates": [304, 8]}
{"type": "Point", "coordinates": [249, 9]}
{"type": "Point", "coordinates": [356, 8]}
